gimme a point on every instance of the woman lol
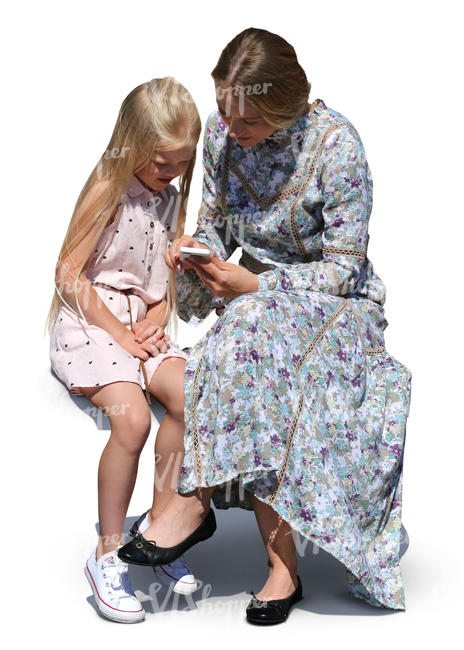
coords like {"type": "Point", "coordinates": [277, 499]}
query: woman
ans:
{"type": "Point", "coordinates": [293, 406]}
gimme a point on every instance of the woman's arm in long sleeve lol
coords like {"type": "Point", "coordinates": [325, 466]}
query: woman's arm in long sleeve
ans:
{"type": "Point", "coordinates": [195, 300]}
{"type": "Point", "coordinates": [211, 225]}
{"type": "Point", "coordinates": [346, 187]}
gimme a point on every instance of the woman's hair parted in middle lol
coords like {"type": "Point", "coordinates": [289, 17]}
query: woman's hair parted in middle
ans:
{"type": "Point", "coordinates": [156, 115]}
{"type": "Point", "coordinates": [264, 68]}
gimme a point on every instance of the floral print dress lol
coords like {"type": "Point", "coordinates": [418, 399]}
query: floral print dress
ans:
{"type": "Point", "coordinates": [292, 395]}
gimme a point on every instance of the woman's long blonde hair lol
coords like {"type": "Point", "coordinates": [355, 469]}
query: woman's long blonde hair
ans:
{"type": "Point", "coordinates": [256, 58]}
{"type": "Point", "coordinates": [157, 115]}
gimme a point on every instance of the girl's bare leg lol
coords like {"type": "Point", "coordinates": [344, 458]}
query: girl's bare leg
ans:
{"type": "Point", "coordinates": [167, 385]}
{"type": "Point", "coordinates": [180, 517]}
{"type": "Point", "coordinates": [280, 547]}
{"type": "Point", "coordinates": [172, 517]}
{"type": "Point", "coordinates": [126, 407]}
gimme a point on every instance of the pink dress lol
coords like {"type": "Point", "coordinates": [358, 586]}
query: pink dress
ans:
{"type": "Point", "coordinates": [128, 257]}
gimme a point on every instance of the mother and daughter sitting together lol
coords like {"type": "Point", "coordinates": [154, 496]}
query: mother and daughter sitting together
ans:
{"type": "Point", "coordinates": [115, 295]}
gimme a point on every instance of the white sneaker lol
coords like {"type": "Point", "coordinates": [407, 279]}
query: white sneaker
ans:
{"type": "Point", "coordinates": [113, 593]}
{"type": "Point", "coordinates": [176, 574]}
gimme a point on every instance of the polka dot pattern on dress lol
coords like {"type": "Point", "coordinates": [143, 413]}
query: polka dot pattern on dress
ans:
{"type": "Point", "coordinates": [128, 255]}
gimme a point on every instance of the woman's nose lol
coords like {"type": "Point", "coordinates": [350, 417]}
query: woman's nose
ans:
{"type": "Point", "coordinates": [236, 129]}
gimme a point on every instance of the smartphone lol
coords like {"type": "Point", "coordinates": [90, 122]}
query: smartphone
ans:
{"type": "Point", "coordinates": [186, 251]}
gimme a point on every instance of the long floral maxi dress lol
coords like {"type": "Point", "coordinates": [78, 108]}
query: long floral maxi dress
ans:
{"type": "Point", "coordinates": [291, 394]}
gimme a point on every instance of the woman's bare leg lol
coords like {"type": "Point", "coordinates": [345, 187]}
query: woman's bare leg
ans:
{"type": "Point", "coordinates": [125, 405]}
{"type": "Point", "coordinates": [280, 547]}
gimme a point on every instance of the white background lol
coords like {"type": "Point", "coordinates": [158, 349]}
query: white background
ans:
{"type": "Point", "coordinates": [391, 68]}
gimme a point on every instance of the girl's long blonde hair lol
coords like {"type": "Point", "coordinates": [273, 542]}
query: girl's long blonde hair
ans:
{"type": "Point", "coordinates": [157, 115]}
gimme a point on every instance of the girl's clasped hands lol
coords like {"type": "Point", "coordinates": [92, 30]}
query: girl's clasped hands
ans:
{"type": "Point", "coordinates": [145, 339]}
{"type": "Point", "coordinates": [153, 335]}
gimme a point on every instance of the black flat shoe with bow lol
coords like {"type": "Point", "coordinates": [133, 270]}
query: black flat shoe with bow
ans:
{"type": "Point", "coordinates": [146, 552]}
{"type": "Point", "coordinates": [269, 612]}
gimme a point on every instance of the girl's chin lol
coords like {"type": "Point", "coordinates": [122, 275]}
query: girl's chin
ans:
{"type": "Point", "coordinates": [158, 184]}
{"type": "Point", "coordinates": [161, 181]}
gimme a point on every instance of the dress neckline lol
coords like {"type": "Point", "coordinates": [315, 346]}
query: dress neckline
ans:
{"type": "Point", "coordinates": [137, 187]}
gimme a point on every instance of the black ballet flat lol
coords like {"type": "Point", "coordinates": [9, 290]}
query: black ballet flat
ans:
{"type": "Point", "coordinates": [270, 612]}
{"type": "Point", "coordinates": [146, 552]}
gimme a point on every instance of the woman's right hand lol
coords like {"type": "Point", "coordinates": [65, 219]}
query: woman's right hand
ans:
{"type": "Point", "coordinates": [141, 350]}
{"type": "Point", "coordinates": [172, 255]}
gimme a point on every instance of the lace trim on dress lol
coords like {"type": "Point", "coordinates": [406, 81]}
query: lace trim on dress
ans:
{"type": "Point", "coordinates": [344, 251]}
{"type": "Point", "coordinates": [298, 188]}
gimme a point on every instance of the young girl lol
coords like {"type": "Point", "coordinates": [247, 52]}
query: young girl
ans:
{"type": "Point", "coordinates": [114, 297]}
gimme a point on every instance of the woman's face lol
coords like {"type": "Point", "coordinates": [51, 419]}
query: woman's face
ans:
{"type": "Point", "coordinates": [164, 166]}
{"type": "Point", "coordinates": [245, 122]}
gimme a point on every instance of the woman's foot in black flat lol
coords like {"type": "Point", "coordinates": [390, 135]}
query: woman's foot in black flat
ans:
{"type": "Point", "coordinates": [270, 612]}
{"type": "Point", "coordinates": [146, 552]}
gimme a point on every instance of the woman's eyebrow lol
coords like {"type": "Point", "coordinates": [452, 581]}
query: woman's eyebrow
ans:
{"type": "Point", "coordinates": [166, 162]}
{"type": "Point", "coordinates": [244, 117]}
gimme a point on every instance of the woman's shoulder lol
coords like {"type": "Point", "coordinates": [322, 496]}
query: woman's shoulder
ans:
{"type": "Point", "coordinates": [215, 124]}
{"type": "Point", "coordinates": [339, 128]}
{"type": "Point", "coordinates": [215, 133]}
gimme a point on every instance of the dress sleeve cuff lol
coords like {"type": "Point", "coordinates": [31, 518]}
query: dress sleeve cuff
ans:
{"type": "Point", "coordinates": [203, 239]}
{"type": "Point", "coordinates": [267, 281]}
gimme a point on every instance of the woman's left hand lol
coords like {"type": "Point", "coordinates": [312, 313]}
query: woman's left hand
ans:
{"type": "Point", "coordinates": [222, 278]}
{"type": "Point", "coordinates": [146, 329]}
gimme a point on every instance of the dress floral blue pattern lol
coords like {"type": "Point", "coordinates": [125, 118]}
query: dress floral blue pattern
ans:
{"type": "Point", "coordinates": [291, 395]}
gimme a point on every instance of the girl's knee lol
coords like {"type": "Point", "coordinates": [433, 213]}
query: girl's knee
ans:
{"type": "Point", "coordinates": [175, 404]}
{"type": "Point", "coordinates": [132, 429]}
{"type": "Point", "coordinates": [171, 391]}
{"type": "Point", "coordinates": [176, 413]}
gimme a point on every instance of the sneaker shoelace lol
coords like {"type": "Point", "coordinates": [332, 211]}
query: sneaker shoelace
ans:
{"type": "Point", "coordinates": [118, 579]}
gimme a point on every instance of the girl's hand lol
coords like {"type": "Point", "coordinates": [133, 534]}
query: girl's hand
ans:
{"type": "Point", "coordinates": [147, 329]}
{"type": "Point", "coordinates": [172, 255]}
{"type": "Point", "coordinates": [223, 278]}
{"type": "Point", "coordinates": [140, 350]}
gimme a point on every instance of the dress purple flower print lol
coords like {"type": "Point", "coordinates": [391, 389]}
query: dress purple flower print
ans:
{"type": "Point", "coordinates": [291, 395]}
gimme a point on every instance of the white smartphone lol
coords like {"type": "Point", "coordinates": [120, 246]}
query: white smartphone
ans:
{"type": "Point", "coordinates": [186, 251]}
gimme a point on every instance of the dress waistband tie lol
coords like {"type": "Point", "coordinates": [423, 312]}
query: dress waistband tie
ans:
{"type": "Point", "coordinates": [126, 292]}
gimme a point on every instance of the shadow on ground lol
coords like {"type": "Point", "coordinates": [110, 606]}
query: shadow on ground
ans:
{"type": "Point", "coordinates": [233, 562]}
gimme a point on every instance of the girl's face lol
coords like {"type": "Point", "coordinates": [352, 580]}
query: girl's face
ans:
{"type": "Point", "coordinates": [245, 122]}
{"type": "Point", "coordinates": [164, 166]}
